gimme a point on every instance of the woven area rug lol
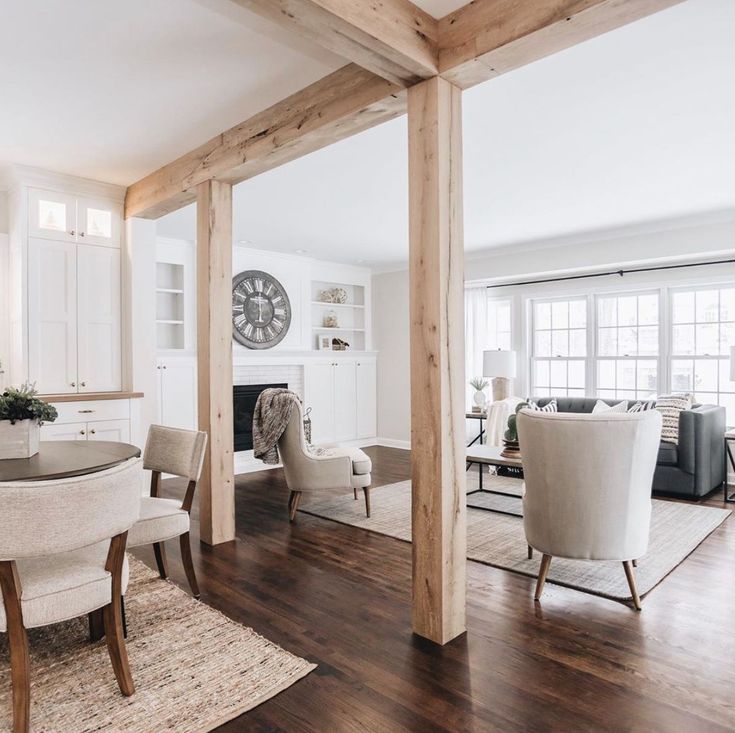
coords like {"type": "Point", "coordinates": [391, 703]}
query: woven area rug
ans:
{"type": "Point", "coordinates": [193, 668]}
{"type": "Point", "coordinates": [498, 539]}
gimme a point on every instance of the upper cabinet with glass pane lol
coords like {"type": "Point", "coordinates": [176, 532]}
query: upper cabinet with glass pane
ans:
{"type": "Point", "coordinates": [66, 218]}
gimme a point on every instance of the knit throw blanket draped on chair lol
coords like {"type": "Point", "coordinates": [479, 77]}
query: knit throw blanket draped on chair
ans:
{"type": "Point", "coordinates": [272, 413]}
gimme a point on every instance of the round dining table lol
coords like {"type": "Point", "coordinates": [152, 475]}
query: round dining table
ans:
{"type": "Point", "coordinates": [58, 459]}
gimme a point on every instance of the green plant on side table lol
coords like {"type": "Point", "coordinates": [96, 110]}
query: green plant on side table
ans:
{"type": "Point", "coordinates": [510, 437]}
{"type": "Point", "coordinates": [21, 415]}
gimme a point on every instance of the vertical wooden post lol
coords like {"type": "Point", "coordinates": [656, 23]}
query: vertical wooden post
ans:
{"type": "Point", "coordinates": [214, 360]}
{"type": "Point", "coordinates": [436, 274]}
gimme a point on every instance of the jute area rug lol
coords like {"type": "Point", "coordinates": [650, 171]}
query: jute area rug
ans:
{"type": "Point", "coordinates": [193, 668]}
{"type": "Point", "coordinates": [498, 539]}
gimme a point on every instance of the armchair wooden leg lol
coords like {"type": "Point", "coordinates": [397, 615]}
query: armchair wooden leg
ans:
{"type": "Point", "coordinates": [543, 570]}
{"type": "Point", "coordinates": [159, 550]}
{"type": "Point", "coordinates": [367, 500]}
{"type": "Point", "coordinates": [630, 575]}
{"type": "Point", "coordinates": [635, 563]}
{"type": "Point", "coordinates": [293, 504]}
{"type": "Point", "coordinates": [530, 552]}
{"type": "Point", "coordinates": [97, 623]}
{"type": "Point", "coordinates": [112, 615]}
{"type": "Point", "coordinates": [354, 492]}
{"type": "Point", "coordinates": [185, 544]}
{"type": "Point", "coordinates": [20, 662]}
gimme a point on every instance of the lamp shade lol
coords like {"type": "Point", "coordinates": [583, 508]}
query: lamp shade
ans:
{"type": "Point", "coordinates": [499, 364]}
{"type": "Point", "coordinates": [732, 363]}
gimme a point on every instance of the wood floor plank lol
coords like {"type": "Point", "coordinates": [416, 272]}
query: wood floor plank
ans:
{"type": "Point", "coordinates": [340, 596]}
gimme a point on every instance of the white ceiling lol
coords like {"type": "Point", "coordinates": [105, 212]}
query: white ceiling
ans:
{"type": "Point", "coordinates": [633, 126]}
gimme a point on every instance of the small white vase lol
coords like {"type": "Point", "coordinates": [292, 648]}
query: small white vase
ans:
{"type": "Point", "coordinates": [480, 399]}
{"type": "Point", "coordinates": [19, 440]}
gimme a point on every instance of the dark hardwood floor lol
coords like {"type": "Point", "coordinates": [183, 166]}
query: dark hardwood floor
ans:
{"type": "Point", "coordinates": [340, 596]}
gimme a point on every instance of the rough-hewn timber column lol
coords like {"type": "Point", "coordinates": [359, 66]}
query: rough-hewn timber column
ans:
{"type": "Point", "coordinates": [437, 359]}
{"type": "Point", "coordinates": [214, 359]}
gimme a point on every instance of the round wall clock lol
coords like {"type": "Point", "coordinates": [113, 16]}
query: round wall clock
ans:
{"type": "Point", "coordinates": [261, 310]}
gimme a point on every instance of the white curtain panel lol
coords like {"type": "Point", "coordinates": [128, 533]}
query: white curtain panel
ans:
{"type": "Point", "coordinates": [476, 335]}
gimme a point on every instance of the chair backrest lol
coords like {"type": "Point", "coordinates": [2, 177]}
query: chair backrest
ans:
{"type": "Point", "coordinates": [588, 482]}
{"type": "Point", "coordinates": [48, 517]}
{"type": "Point", "coordinates": [292, 448]}
{"type": "Point", "coordinates": [175, 451]}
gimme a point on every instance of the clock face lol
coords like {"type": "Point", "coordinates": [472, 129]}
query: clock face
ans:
{"type": "Point", "coordinates": [261, 310]}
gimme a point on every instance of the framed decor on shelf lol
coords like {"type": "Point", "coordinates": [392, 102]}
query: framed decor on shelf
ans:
{"type": "Point", "coordinates": [324, 342]}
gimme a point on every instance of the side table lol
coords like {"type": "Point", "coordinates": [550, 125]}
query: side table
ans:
{"type": "Point", "coordinates": [729, 439]}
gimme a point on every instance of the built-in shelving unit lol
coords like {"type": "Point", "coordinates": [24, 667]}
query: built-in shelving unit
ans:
{"type": "Point", "coordinates": [349, 316]}
{"type": "Point", "coordinates": [169, 305]}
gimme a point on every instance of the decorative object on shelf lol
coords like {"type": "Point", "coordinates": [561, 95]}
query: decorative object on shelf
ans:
{"type": "Point", "coordinates": [307, 425]}
{"type": "Point", "coordinates": [324, 342]}
{"type": "Point", "coordinates": [512, 448]}
{"type": "Point", "coordinates": [479, 384]}
{"type": "Point", "coordinates": [333, 295]}
{"type": "Point", "coordinates": [21, 417]}
{"type": "Point", "coordinates": [501, 366]}
{"type": "Point", "coordinates": [339, 345]}
{"type": "Point", "coordinates": [261, 310]}
{"type": "Point", "coordinates": [330, 320]}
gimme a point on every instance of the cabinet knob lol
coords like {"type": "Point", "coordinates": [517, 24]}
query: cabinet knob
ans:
{"type": "Point", "coordinates": [164, 366]}
{"type": "Point", "coordinates": [81, 432]}
{"type": "Point", "coordinates": [82, 384]}
{"type": "Point", "coordinates": [93, 431]}
{"type": "Point", "coordinates": [72, 232]}
{"type": "Point", "coordinates": [81, 234]}
{"type": "Point", "coordinates": [73, 384]}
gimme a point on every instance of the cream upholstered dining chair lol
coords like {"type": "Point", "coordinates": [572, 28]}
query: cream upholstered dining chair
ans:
{"type": "Point", "coordinates": [321, 468]}
{"type": "Point", "coordinates": [62, 555]}
{"type": "Point", "coordinates": [180, 453]}
{"type": "Point", "coordinates": [588, 481]}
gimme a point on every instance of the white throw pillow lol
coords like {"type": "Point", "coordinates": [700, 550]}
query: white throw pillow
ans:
{"type": "Point", "coordinates": [671, 406]}
{"type": "Point", "coordinates": [601, 406]}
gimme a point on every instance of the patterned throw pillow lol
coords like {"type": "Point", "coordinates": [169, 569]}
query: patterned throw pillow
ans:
{"type": "Point", "coordinates": [671, 406]}
{"type": "Point", "coordinates": [601, 406]}
{"type": "Point", "coordinates": [549, 407]}
{"type": "Point", "coordinates": [643, 406]}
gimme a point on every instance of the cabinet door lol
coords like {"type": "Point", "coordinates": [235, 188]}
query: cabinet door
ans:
{"type": "Point", "coordinates": [65, 431]}
{"type": "Point", "coordinates": [52, 316]}
{"type": "Point", "coordinates": [98, 292]}
{"type": "Point", "coordinates": [179, 393]}
{"type": "Point", "coordinates": [114, 430]}
{"type": "Point", "coordinates": [319, 395]}
{"type": "Point", "coordinates": [367, 422]}
{"type": "Point", "coordinates": [345, 403]}
{"type": "Point", "coordinates": [98, 222]}
{"type": "Point", "coordinates": [52, 215]}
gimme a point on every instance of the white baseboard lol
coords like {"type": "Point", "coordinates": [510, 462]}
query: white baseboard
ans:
{"type": "Point", "coordinates": [393, 443]}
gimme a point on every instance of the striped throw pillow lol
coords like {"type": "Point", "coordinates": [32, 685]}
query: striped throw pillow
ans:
{"type": "Point", "coordinates": [643, 406]}
{"type": "Point", "coordinates": [671, 406]}
{"type": "Point", "coordinates": [550, 406]}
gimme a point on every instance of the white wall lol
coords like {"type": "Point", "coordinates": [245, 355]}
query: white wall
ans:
{"type": "Point", "coordinates": [4, 223]}
{"type": "Point", "coordinates": [390, 338]}
{"type": "Point", "coordinates": [685, 241]}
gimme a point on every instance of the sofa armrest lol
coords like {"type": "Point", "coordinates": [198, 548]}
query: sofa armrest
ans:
{"type": "Point", "coordinates": [701, 445]}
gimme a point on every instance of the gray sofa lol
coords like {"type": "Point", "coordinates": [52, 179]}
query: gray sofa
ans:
{"type": "Point", "coordinates": [690, 469]}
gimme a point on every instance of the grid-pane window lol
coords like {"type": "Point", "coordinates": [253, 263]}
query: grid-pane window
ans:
{"type": "Point", "coordinates": [498, 324]}
{"type": "Point", "coordinates": [559, 348]}
{"type": "Point", "coordinates": [702, 331]}
{"type": "Point", "coordinates": [626, 358]}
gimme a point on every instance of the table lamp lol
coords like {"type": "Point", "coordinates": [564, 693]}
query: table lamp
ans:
{"type": "Point", "coordinates": [501, 367]}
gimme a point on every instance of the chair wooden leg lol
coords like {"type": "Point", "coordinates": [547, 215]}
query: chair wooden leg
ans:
{"type": "Point", "coordinates": [630, 575]}
{"type": "Point", "coordinates": [97, 623]}
{"type": "Point", "coordinates": [185, 544]}
{"type": "Point", "coordinates": [354, 492]}
{"type": "Point", "coordinates": [159, 550]}
{"type": "Point", "coordinates": [367, 500]}
{"type": "Point", "coordinates": [112, 615]}
{"type": "Point", "coordinates": [530, 552]}
{"type": "Point", "coordinates": [635, 563]}
{"type": "Point", "coordinates": [293, 504]}
{"type": "Point", "coordinates": [20, 662]}
{"type": "Point", "coordinates": [543, 570]}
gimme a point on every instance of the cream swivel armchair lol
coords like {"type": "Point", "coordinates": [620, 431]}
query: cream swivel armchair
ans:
{"type": "Point", "coordinates": [62, 555]}
{"type": "Point", "coordinates": [588, 481]}
{"type": "Point", "coordinates": [179, 453]}
{"type": "Point", "coordinates": [323, 468]}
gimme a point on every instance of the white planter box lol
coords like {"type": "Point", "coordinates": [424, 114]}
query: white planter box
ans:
{"type": "Point", "coordinates": [19, 440]}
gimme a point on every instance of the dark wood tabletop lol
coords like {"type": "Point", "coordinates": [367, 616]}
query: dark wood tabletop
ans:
{"type": "Point", "coordinates": [65, 458]}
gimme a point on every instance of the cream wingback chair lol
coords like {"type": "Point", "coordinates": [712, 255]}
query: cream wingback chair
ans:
{"type": "Point", "coordinates": [180, 453]}
{"type": "Point", "coordinates": [62, 555]}
{"type": "Point", "coordinates": [588, 481]}
{"type": "Point", "coordinates": [327, 467]}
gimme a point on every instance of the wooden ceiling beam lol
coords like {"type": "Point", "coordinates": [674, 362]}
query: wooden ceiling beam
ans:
{"type": "Point", "coordinates": [486, 38]}
{"type": "Point", "coordinates": [335, 107]}
{"type": "Point", "coordinates": [392, 38]}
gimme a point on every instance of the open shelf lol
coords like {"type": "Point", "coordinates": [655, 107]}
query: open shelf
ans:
{"type": "Point", "coordinates": [336, 305]}
{"type": "Point", "coordinates": [339, 328]}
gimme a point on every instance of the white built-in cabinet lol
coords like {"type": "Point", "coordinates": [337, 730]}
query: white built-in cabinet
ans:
{"type": "Point", "coordinates": [177, 392]}
{"type": "Point", "coordinates": [91, 420]}
{"type": "Point", "coordinates": [342, 395]}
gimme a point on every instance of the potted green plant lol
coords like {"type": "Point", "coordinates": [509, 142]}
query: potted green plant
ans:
{"type": "Point", "coordinates": [479, 384]}
{"type": "Point", "coordinates": [21, 417]}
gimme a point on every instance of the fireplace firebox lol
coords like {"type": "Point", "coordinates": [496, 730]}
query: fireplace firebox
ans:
{"type": "Point", "coordinates": [244, 398]}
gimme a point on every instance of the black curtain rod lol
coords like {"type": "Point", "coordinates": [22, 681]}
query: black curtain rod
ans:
{"type": "Point", "coordinates": [608, 273]}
